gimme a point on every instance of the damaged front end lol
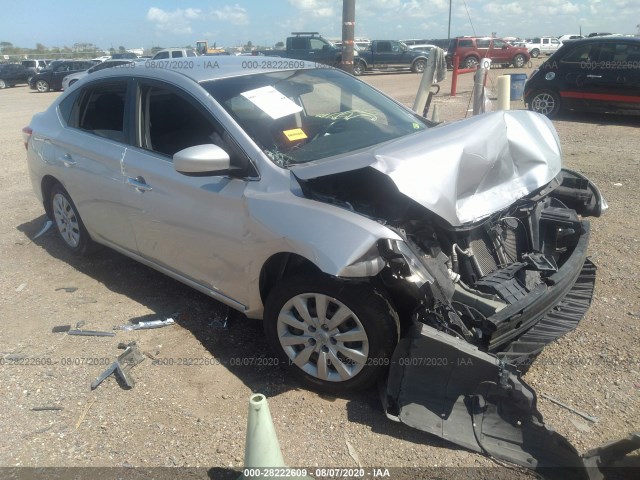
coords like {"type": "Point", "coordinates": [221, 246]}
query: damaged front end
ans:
{"type": "Point", "coordinates": [482, 278]}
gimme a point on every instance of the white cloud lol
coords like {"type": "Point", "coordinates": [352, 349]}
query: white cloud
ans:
{"type": "Point", "coordinates": [178, 21]}
{"type": "Point", "coordinates": [236, 15]}
{"type": "Point", "coordinates": [317, 8]}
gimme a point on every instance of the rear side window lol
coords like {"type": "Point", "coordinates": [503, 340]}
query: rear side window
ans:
{"type": "Point", "coordinates": [466, 43]}
{"type": "Point", "coordinates": [176, 54]}
{"type": "Point", "coordinates": [99, 110]}
{"type": "Point", "coordinates": [483, 43]}
{"type": "Point", "coordinates": [582, 53]}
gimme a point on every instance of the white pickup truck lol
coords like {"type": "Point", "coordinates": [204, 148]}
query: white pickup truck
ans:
{"type": "Point", "coordinates": [539, 45]}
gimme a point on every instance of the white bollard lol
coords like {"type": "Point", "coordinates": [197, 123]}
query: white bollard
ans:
{"type": "Point", "coordinates": [504, 92]}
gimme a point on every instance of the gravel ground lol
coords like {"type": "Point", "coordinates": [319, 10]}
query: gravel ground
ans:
{"type": "Point", "coordinates": [189, 405]}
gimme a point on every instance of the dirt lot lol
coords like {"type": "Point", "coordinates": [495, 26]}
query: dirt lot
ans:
{"type": "Point", "coordinates": [195, 414]}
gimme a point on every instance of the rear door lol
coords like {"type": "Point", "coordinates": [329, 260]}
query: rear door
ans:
{"type": "Point", "coordinates": [89, 152]}
{"type": "Point", "coordinates": [578, 86]}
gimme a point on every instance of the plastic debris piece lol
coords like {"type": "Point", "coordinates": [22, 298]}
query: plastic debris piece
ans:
{"type": "Point", "coordinates": [20, 287]}
{"type": "Point", "coordinates": [46, 408]}
{"type": "Point", "coordinates": [45, 228]}
{"type": "Point", "coordinates": [61, 329]}
{"type": "Point", "coordinates": [91, 333]}
{"type": "Point", "coordinates": [147, 325]}
{"type": "Point", "coordinates": [121, 367]}
{"type": "Point", "coordinates": [67, 289]}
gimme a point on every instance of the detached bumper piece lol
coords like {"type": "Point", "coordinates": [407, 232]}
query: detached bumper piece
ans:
{"type": "Point", "coordinates": [444, 386]}
{"type": "Point", "coordinates": [563, 318]}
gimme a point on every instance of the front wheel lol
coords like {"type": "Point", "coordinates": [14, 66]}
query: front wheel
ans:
{"type": "Point", "coordinates": [335, 336]}
{"type": "Point", "coordinates": [358, 68]}
{"type": "Point", "coordinates": [42, 86]}
{"type": "Point", "coordinates": [519, 61]}
{"type": "Point", "coordinates": [3, 84]}
{"type": "Point", "coordinates": [545, 102]}
{"type": "Point", "coordinates": [419, 66]}
{"type": "Point", "coordinates": [68, 222]}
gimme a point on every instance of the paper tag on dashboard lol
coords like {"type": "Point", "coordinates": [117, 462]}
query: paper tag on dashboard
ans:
{"type": "Point", "coordinates": [272, 102]}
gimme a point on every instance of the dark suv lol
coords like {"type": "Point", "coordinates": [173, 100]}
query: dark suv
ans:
{"type": "Point", "coordinates": [471, 49]}
{"type": "Point", "coordinates": [598, 74]}
{"type": "Point", "coordinates": [13, 73]}
{"type": "Point", "coordinates": [51, 77]}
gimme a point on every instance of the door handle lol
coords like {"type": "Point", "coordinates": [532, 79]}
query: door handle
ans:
{"type": "Point", "coordinates": [139, 184]}
{"type": "Point", "coordinates": [594, 76]}
{"type": "Point", "coordinates": [68, 161]}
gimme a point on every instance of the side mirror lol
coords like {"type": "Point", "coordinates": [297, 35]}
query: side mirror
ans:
{"type": "Point", "coordinates": [202, 160]}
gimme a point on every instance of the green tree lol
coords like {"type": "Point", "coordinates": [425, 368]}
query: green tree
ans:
{"type": "Point", "coordinates": [40, 47]}
{"type": "Point", "coordinates": [279, 45]}
{"type": "Point", "coordinates": [121, 48]}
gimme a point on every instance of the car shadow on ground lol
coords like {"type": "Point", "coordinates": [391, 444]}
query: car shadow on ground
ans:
{"type": "Point", "coordinates": [235, 341]}
{"type": "Point", "coordinates": [599, 118]}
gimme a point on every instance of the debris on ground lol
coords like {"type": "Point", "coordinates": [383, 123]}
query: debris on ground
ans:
{"type": "Point", "coordinates": [46, 408]}
{"type": "Point", "coordinates": [91, 333]}
{"type": "Point", "coordinates": [121, 367]}
{"type": "Point", "coordinates": [571, 409]}
{"type": "Point", "coordinates": [147, 325]}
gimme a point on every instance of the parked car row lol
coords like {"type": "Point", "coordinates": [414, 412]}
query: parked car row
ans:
{"type": "Point", "coordinates": [51, 77]}
{"type": "Point", "coordinates": [12, 74]}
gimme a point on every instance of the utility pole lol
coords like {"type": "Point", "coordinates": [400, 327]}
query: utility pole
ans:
{"type": "Point", "coordinates": [348, 31]}
{"type": "Point", "coordinates": [449, 29]}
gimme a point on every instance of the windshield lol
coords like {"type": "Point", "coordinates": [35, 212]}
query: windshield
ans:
{"type": "Point", "coordinates": [306, 115]}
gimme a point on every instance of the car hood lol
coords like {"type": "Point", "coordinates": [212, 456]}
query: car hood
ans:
{"type": "Point", "coordinates": [462, 171]}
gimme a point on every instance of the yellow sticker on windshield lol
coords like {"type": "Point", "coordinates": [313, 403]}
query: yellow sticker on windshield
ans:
{"type": "Point", "coordinates": [416, 126]}
{"type": "Point", "coordinates": [295, 134]}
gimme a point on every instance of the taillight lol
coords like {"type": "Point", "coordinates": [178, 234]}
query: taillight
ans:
{"type": "Point", "coordinates": [26, 135]}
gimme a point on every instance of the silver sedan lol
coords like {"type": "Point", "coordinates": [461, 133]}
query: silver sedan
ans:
{"type": "Point", "coordinates": [305, 197]}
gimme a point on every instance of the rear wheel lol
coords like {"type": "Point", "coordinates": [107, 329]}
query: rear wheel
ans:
{"type": "Point", "coordinates": [470, 62]}
{"type": "Point", "coordinates": [3, 84]}
{"type": "Point", "coordinates": [335, 336]}
{"type": "Point", "coordinates": [68, 222]}
{"type": "Point", "coordinates": [545, 102]}
{"type": "Point", "coordinates": [535, 53]}
{"type": "Point", "coordinates": [418, 66]}
{"type": "Point", "coordinates": [42, 86]}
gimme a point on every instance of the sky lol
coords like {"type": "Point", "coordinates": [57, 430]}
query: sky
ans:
{"type": "Point", "coordinates": [147, 23]}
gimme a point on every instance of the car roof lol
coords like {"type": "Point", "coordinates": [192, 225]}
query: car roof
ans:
{"type": "Point", "coordinates": [605, 39]}
{"type": "Point", "coordinates": [201, 69]}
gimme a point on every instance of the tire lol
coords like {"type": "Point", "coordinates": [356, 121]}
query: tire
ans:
{"type": "Point", "coordinates": [69, 225]}
{"type": "Point", "coordinates": [3, 84]}
{"type": "Point", "coordinates": [418, 66]}
{"type": "Point", "coordinates": [535, 53]}
{"type": "Point", "coordinates": [470, 62]}
{"type": "Point", "coordinates": [519, 61]}
{"type": "Point", "coordinates": [305, 340]}
{"type": "Point", "coordinates": [42, 86]}
{"type": "Point", "coordinates": [545, 102]}
{"type": "Point", "coordinates": [359, 68]}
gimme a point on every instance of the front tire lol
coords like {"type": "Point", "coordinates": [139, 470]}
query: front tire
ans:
{"type": "Point", "coordinates": [545, 102]}
{"type": "Point", "coordinates": [358, 68]}
{"type": "Point", "coordinates": [519, 61]}
{"type": "Point", "coordinates": [42, 86]}
{"type": "Point", "coordinates": [3, 84]}
{"type": "Point", "coordinates": [418, 66]}
{"type": "Point", "coordinates": [335, 336]}
{"type": "Point", "coordinates": [68, 222]}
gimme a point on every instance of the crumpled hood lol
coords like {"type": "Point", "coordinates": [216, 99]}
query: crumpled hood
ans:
{"type": "Point", "coordinates": [463, 171]}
